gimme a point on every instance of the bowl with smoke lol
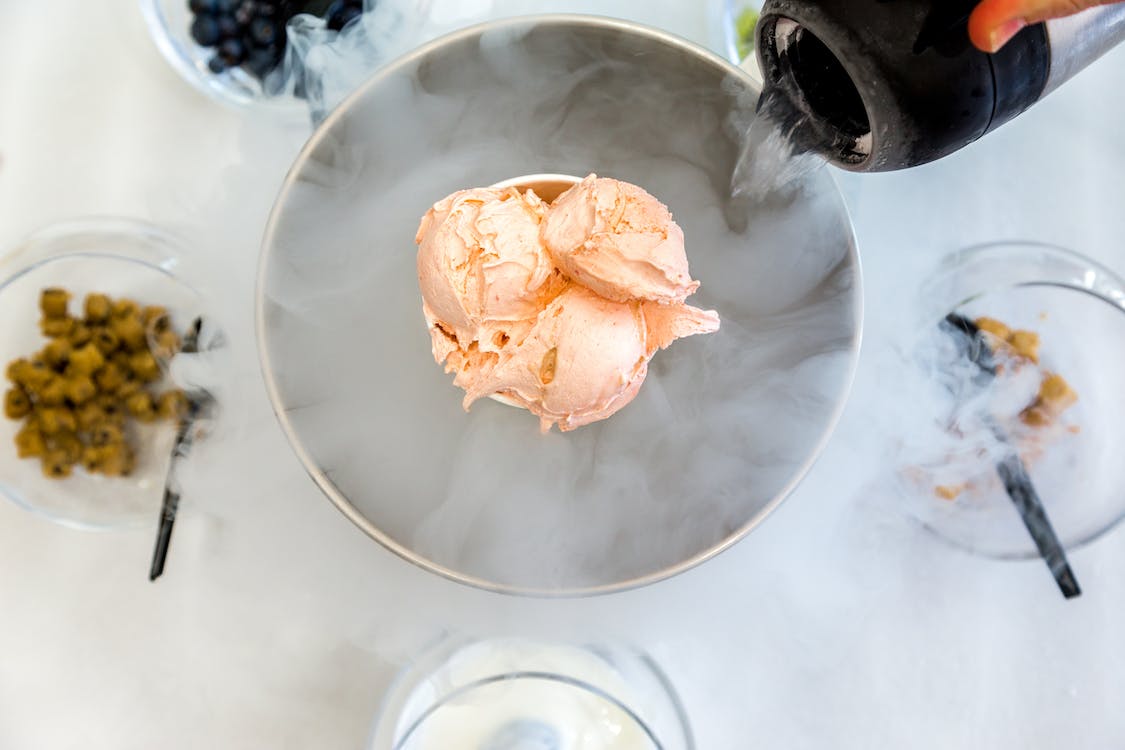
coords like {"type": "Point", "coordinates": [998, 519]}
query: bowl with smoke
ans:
{"type": "Point", "coordinates": [257, 52]}
{"type": "Point", "coordinates": [724, 427]}
{"type": "Point", "coordinates": [1048, 317]}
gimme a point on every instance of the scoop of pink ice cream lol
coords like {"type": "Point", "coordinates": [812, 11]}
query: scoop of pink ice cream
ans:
{"type": "Point", "coordinates": [481, 266]}
{"type": "Point", "coordinates": [666, 323]}
{"type": "Point", "coordinates": [584, 359]}
{"type": "Point", "coordinates": [619, 241]}
{"type": "Point", "coordinates": [556, 309]}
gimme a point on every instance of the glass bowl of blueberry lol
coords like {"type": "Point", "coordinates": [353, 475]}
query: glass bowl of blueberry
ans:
{"type": "Point", "coordinates": [239, 51]}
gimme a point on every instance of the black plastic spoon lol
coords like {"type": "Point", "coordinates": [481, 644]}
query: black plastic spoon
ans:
{"type": "Point", "coordinates": [199, 404]}
{"type": "Point", "coordinates": [1012, 471]}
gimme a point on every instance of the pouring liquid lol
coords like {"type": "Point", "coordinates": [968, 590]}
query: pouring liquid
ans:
{"type": "Point", "coordinates": [771, 160]}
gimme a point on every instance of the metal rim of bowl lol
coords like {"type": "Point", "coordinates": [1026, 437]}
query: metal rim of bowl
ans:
{"type": "Point", "coordinates": [344, 505]}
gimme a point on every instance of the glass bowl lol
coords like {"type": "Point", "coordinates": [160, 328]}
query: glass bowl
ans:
{"type": "Point", "coordinates": [505, 694]}
{"type": "Point", "coordinates": [169, 23]}
{"type": "Point", "coordinates": [116, 257]}
{"type": "Point", "coordinates": [1077, 307]}
{"type": "Point", "coordinates": [725, 425]}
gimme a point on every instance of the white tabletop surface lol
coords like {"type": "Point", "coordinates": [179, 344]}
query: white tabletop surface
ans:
{"type": "Point", "coordinates": [838, 623]}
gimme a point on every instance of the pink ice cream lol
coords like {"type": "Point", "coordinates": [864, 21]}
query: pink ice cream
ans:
{"type": "Point", "coordinates": [584, 359]}
{"type": "Point", "coordinates": [619, 241]}
{"type": "Point", "coordinates": [556, 309]}
{"type": "Point", "coordinates": [481, 264]}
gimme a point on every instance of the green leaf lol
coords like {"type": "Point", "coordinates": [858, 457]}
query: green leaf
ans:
{"type": "Point", "coordinates": [744, 27]}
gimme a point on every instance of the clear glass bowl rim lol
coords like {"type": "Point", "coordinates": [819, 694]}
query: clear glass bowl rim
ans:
{"type": "Point", "coordinates": [1013, 264]}
{"type": "Point", "coordinates": [162, 253]}
{"type": "Point", "coordinates": [439, 651]}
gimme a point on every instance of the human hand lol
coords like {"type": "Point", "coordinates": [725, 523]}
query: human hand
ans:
{"type": "Point", "coordinates": [994, 22]}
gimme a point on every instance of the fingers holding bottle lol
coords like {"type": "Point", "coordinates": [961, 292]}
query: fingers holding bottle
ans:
{"type": "Point", "coordinates": [994, 22]}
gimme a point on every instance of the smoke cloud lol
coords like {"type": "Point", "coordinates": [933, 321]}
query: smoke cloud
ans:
{"type": "Point", "coordinates": [724, 424]}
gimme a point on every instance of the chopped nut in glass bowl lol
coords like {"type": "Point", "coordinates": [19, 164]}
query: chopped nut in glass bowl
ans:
{"type": "Point", "coordinates": [94, 313]}
{"type": "Point", "coordinates": [1052, 397]}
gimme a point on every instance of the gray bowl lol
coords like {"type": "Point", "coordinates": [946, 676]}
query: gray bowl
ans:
{"type": "Point", "coordinates": [724, 427]}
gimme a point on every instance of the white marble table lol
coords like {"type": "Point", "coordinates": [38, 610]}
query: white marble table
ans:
{"type": "Point", "coordinates": [278, 624]}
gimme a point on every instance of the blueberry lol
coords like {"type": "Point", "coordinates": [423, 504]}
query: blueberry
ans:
{"type": "Point", "coordinates": [205, 31]}
{"type": "Point", "coordinates": [232, 51]}
{"type": "Point", "coordinates": [343, 17]}
{"type": "Point", "coordinates": [263, 32]}
{"type": "Point", "coordinates": [227, 6]}
{"type": "Point", "coordinates": [228, 27]}
{"type": "Point", "coordinates": [351, 13]}
{"type": "Point", "coordinates": [216, 65]}
{"type": "Point", "coordinates": [202, 7]}
{"type": "Point", "coordinates": [261, 62]}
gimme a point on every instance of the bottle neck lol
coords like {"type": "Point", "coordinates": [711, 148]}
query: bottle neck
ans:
{"type": "Point", "coordinates": [1080, 39]}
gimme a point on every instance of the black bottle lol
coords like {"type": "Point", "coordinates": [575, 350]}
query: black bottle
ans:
{"type": "Point", "coordinates": [879, 85]}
